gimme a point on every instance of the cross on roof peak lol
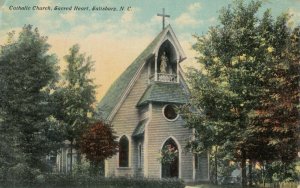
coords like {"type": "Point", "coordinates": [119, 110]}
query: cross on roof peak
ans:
{"type": "Point", "coordinates": [163, 15]}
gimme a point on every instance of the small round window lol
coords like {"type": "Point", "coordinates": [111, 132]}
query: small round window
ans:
{"type": "Point", "coordinates": [170, 113]}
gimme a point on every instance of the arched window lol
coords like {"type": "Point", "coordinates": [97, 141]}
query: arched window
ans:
{"type": "Point", "coordinates": [123, 151]}
{"type": "Point", "coordinates": [170, 165]}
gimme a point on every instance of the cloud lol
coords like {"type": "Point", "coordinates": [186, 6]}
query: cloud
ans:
{"type": "Point", "coordinates": [80, 30]}
{"type": "Point", "coordinates": [295, 19]}
{"type": "Point", "coordinates": [70, 16]}
{"type": "Point", "coordinates": [127, 16]}
{"type": "Point", "coordinates": [189, 17]}
{"type": "Point", "coordinates": [155, 19]}
{"type": "Point", "coordinates": [212, 20]}
{"type": "Point", "coordinates": [186, 40]}
{"type": "Point", "coordinates": [4, 10]}
{"type": "Point", "coordinates": [194, 7]}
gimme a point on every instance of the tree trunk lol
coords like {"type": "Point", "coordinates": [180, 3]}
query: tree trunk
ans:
{"type": "Point", "coordinates": [71, 156]}
{"type": "Point", "coordinates": [216, 166]}
{"type": "Point", "coordinates": [244, 173]}
{"type": "Point", "coordinates": [263, 174]}
{"type": "Point", "coordinates": [250, 173]}
{"type": "Point", "coordinates": [284, 171]}
{"type": "Point", "coordinates": [78, 157]}
{"type": "Point", "coordinates": [94, 170]}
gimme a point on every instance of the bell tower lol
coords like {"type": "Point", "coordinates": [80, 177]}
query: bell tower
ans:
{"type": "Point", "coordinates": [166, 59]}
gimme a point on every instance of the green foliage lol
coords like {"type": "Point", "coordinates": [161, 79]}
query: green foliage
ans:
{"type": "Point", "coordinates": [23, 174]}
{"type": "Point", "coordinates": [280, 172]}
{"type": "Point", "coordinates": [84, 180]}
{"type": "Point", "coordinates": [225, 167]}
{"type": "Point", "coordinates": [247, 97]}
{"type": "Point", "coordinates": [89, 181]}
{"type": "Point", "coordinates": [75, 97]}
{"type": "Point", "coordinates": [82, 168]}
{"type": "Point", "coordinates": [168, 154]}
{"type": "Point", "coordinates": [28, 76]}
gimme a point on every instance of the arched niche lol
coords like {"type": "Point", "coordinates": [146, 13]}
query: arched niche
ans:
{"type": "Point", "coordinates": [168, 50]}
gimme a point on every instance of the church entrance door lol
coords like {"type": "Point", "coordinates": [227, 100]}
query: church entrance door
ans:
{"type": "Point", "coordinates": [170, 168]}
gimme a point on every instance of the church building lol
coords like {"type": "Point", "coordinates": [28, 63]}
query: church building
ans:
{"type": "Point", "coordinates": [141, 106]}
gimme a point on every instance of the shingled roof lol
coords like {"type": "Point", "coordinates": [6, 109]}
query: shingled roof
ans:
{"type": "Point", "coordinates": [140, 128]}
{"type": "Point", "coordinates": [164, 92]}
{"type": "Point", "coordinates": [115, 92]}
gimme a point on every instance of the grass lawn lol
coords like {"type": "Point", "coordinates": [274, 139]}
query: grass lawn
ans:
{"type": "Point", "coordinates": [213, 186]}
{"type": "Point", "coordinates": [283, 185]}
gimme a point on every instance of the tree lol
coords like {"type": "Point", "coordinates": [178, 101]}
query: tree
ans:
{"type": "Point", "coordinates": [75, 97]}
{"type": "Point", "coordinates": [98, 143]}
{"type": "Point", "coordinates": [276, 120]}
{"type": "Point", "coordinates": [28, 76]}
{"type": "Point", "coordinates": [247, 62]}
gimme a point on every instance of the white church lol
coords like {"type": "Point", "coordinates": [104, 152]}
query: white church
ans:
{"type": "Point", "coordinates": [140, 105]}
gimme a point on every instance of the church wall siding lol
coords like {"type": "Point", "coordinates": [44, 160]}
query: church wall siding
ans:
{"type": "Point", "coordinates": [110, 166]}
{"type": "Point", "coordinates": [139, 169]}
{"type": "Point", "coordinates": [124, 123]}
{"type": "Point", "coordinates": [159, 130]}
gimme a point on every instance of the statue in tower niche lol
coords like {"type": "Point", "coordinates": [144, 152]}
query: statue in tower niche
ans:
{"type": "Point", "coordinates": [163, 63]}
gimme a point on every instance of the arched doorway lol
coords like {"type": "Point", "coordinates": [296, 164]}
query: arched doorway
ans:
{"type": "Point", "coordinates": [170, 167]}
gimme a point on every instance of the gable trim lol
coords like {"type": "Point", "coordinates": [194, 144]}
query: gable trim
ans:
{"type": "Point", "coordinates": [167, 38]}
{"type": "Point", "coordinates": [173, 39]}
{"type": "Point", "coordinates": [183, 78]}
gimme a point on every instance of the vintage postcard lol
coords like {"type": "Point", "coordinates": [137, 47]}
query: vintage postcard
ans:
{"type": "Point", "coordinates": [162, 92]}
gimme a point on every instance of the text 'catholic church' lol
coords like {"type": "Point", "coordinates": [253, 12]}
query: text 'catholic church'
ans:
{"type": "Point", "coordinates": [141, 107]}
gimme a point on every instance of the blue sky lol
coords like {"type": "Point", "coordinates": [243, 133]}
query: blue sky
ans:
{"type": "Point", "coordinates": [114, 39]}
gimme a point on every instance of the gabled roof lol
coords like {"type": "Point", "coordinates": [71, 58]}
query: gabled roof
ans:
{"type": "Point", "coordinates": [114, 96]}
{"type": "Point", "coordinates": [116, 90]}
{"type": "Point", "coordinates": [164, 92]}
